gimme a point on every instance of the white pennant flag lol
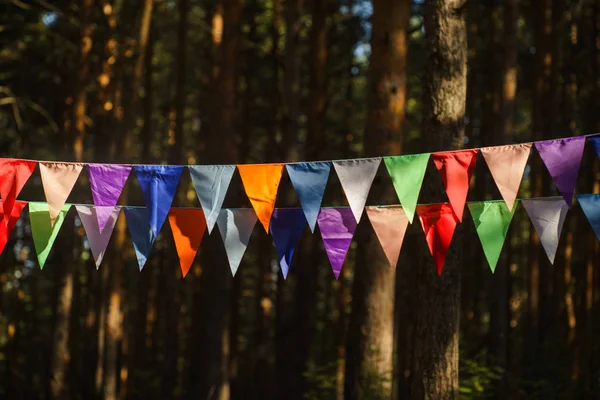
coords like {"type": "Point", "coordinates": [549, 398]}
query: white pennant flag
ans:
{"type": "Point", "coordinates": [356, 177]}
{"type": "Point", "coordinates": [211, 183]}
{"type": "Point", "coordinates": [548, 217]}
{"type": "Point", "coordinates": [236, 226]}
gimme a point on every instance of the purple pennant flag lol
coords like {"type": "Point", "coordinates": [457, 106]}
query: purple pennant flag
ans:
{"type": "Point", "coordinates": [337, 226]}
{"type": "Point", "coordinates": [107, 182]}
{"type": "Point", "coordinates": [562, 158]}
{"type": "Point", "coordinates": [287, 225]}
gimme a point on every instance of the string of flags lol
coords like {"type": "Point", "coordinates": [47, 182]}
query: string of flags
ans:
{"type": "Point", "coordinates": [337, 225]}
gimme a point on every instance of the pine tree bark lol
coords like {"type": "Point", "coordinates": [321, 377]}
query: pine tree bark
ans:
{"type": "Point", "coordinates": [59, 387]}
{"type": "Point", "coordinates": [434, 373]}
{"type": "Point", "coordinates": [370, 343]}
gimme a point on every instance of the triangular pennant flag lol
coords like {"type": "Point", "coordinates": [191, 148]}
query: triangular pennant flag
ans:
{"type": "Point", "coordinates": [438, 222]}
{"type": "Point", "coordinates": [287, 225]}
{"type": "Point", "coordinates": [58, 179]}
{"type": "Point", "coordinates": [261, 182]}
{"type": "Point", "coordinates": [389, 224]}
{"type": "Point", "coordinates": [13, 176]}
{"type": "Point", "coordinates": [158, 184]}
{"type": "Point", "coordinates": [590, 204]}
{"type": "Point", "coordinates": [407, 174]}
{"type": "Point", "coordinates": [188, 226]}
{"type": "Point", "coordinates": [491, 219]}
{"type": "Point", "coordinates": [42, 230]}
{"type": "Point", "coordinates": [456, 168]}
{"type": "Point", "coordinates": [507, 164]}
{"type": "Point", "coordinates": [309, 180]}
{"type": "Point", "coordinates": [337, 226]}
{"type": "Point", "coordinates": [138, 222]}
{"type": "Point", "coordinates": [562, 158]}
{"type": "Point", "coordinates": [236, 226]}
{"type": "Point", "coordinates": [98, 239]}
{"type": "Point", "coordinates": [595, 141]}
{"type": "Point", "coordinates": [211, 183]}
{"type": "Point", "coordinates": [8, 221]}
{"type": "Point", "coordinates": [356, 177]}
{"type": "Point", "coordinates": [548, 217]}
{"type": "Point", "coordinates": [107, 182]}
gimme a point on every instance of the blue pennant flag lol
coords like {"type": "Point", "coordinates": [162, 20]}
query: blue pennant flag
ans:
{"type": "Point", "coordinates": [158, 184]}
{"type": "Point", "coordinates": [287, 225]}
{"type": "Point", "coordinates": [309, 180]}
{"type": "Point", "coordinates": [590, 204]}
{"type": "Point", "coordinates": [595, 141]}
{"type": "Point", "coordinates": [141, 234]}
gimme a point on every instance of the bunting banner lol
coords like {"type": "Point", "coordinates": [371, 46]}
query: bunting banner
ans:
{"type": "Point", "coordinates": [13, 176]}
{"type": "Point", "coordinates": [407, 173]}
{"type": "Point", "coordinates": [287, 225]}
{"type": "Point", "coordinates": [9, 221]}
{"type": "Point", "coordinates": [389, 224]}
{"type": "Point", "coordinates": [107, 182]}
{"type": "Point", "coordinates": [590, 204]}
{"type": "Point", "coordinates": [337, 226]}
{"type": "Point", "coordinates": [236, 226]}
{"type": "Point", "coordinates": [98, 238]}
{"type": "Point", "coordinates": [188, 226]}
{"type": "Point", "coordinates": [43, 231]}
{"type": "Point", "coordinates": [356, 177]}
{"type": "Point", "coordinates": [438, 222]}
{"type": "Point", "coordinates": [58, 179]}
{"type": "Point", "coordinates": [261, 182]}
{"type": "Point", "coordinates": [158, 184]}
{"type": "Point", "coordinates": [492, 219]}
{"type": "Point", "coordinates": [309, 180]}
{"type": "Point", "coordinates": [562, 158]}
{"type": "Point", "coordinates": [507, 164]}
{"type": "Point", "coordinates": [456, 168]}
{"type": "Point", "coordinates": [138, 222]}
{"type": "Point", "coordinates": [211, 183]}
{"type": "Point", "coordinates": [548, 217]}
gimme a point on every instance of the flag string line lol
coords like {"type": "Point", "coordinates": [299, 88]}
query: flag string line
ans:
{"type": "Point", "coordinates": [327, 207]}
{"type": "Point", "coordinates": [303, 162]}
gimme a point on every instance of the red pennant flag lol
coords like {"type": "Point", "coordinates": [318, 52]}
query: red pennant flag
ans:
{"type": "Point", "coordinates": [13, 176]}
{"type": "Point", "coordinates": [8, 221]}
{"type": "Point", "coordinates": [456, 168]}
{"type": "Point", "coordinates": [188, 226]}
{"type": "Point", "coordinates": [438, 222]}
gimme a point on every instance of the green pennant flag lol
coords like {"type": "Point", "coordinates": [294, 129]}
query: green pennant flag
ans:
{"type": "Point", "coordinates": [491, 219]}
{"type": "Point", "coordinates": [42, 231]}
{"type": "Point", "coordinates": [407, 174]}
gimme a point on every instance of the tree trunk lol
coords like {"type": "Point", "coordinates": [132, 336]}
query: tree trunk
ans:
{"type": "Point", "coordinates": [370, 344]}
{"type": "Point", "coordinates": [211, 347]}
{"type": "Point", "coordinates": [435, 341]}
{"type": "Point", "coordinates": [60, 348]}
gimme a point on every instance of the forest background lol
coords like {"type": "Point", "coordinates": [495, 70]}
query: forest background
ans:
{"type": "Point", "coordinates": [245, 81]}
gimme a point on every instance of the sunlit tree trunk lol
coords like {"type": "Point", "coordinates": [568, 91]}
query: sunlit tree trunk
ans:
{"type": "Point", "coordinates": [434, 372]}
{"type": "Point", "coordinates": [370, 344]}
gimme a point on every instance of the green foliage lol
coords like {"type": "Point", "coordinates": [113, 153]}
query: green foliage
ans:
{"type": "Point", "coordinates": [477, 379]}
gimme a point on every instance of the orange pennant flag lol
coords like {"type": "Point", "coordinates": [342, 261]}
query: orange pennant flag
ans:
{"type": "Point", "coordinates": [261, 182]}
{"type": "Point", "coordinates": [456, 168]}
{"type": "Point", "coordinates": [188, 226]}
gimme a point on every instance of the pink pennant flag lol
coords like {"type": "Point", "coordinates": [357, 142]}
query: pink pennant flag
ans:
{"type": "Point", "coordinates": [58, 179]}
{"type": "Point", "coordinates": [506, 164]}
{"type": "Point", "coordinates": [390, 225]}
{"type": "Point", "coordinates": [98, 239]}
{"type": "Point", "coordinates": [456, 168]}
